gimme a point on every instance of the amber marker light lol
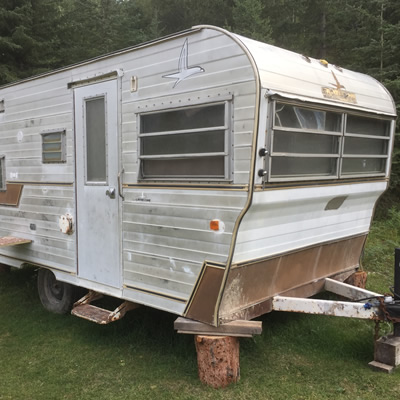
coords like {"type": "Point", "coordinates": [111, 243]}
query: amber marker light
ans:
{"type": "Point", "coordinates": [217, 226]}
{"type": "Point", "coordinates": [214, 225]}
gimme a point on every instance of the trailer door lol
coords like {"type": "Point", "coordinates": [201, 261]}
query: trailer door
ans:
{"type": "Point", "coordinates": [96, 124]}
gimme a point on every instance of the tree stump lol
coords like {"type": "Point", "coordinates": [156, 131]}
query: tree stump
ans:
{"type": "Point", "coordinates": [358, 279]}
{"type": "Point", "coordinates": [218, 360]}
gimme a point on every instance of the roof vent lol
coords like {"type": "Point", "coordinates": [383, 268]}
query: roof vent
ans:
{"type": "Point", "coordinates": [324, 63]}
{"type": "Point", "coordinates": [338, 68]}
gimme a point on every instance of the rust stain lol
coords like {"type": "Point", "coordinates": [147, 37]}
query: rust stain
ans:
{"type": "Point", "coordinates": [12, 195]}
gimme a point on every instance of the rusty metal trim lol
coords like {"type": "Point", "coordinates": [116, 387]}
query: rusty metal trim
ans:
{"type": "Point", "coordinates": [265, 306]}
{"type": "Point", "coordinates": [249, 200]}
{"type": "Point", "coordinates": [41, 183]}
{"type": "Point", "coordinates": [189, 186]}
{"type": "Point", "coordinates": [251, 285]}
{"type": "Point", "coordinates": [306, 184]}
{"type": "Point", "coordinates": [12, 195]}
{"type": "Point", "coordinates": [286, 253]}
{"type": "Point", "coordinates": [154, 293]}
{"type": "Point", "coordinates": [201, 305]}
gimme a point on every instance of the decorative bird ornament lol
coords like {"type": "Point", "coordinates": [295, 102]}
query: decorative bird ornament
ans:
{"type": "Point", "coordinates": [184, 71]}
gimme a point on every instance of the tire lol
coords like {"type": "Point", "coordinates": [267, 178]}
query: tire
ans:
{"type": "Point", "coordinates": [57, 297]}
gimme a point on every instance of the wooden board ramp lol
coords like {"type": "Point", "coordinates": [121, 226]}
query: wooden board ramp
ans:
{"type": "Point", "coordinates": [13, 241]}
{"type": "Point", "coordinates": [238, 328]}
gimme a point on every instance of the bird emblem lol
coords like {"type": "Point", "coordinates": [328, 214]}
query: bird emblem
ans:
{"type": "Point", "coordinates": [184, 71]}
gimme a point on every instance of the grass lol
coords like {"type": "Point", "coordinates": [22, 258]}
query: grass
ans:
{"type": "Point", "coordinates": [47, 356]}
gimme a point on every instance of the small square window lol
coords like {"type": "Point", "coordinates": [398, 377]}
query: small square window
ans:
{"type": "Point", "coordinates": [54, 146]}
{"type": "Point", "coordinates": [2, 106]}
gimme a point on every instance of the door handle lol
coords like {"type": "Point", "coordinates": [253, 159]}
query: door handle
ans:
{"type": "Point", "coordinates": [110, 192]}
{"type": "Point", "coordinates": [120, 184]}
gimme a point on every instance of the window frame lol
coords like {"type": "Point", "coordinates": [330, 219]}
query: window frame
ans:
{"type": "Point", "coordinates": [369, 156]}
{"type": "Point", "coordinates": [3, 181]}
{"type": "Point", "coordinates": [342, 134]}
{"type": "Point", "coordinates": [88, 180]}
{"type": "Point", "coordinates": [227, 153]}
{"type": "Point", "coordinates": [63, 147]}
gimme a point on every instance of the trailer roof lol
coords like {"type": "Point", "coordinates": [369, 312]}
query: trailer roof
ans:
{"type": "Point", "coordinates": [289, 74]}
{"type": "Point", "coordinates": [293, 75]}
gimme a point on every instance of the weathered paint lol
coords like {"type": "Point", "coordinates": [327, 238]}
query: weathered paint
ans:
{"type": "Point", "coordinates": [170, 258]}
{"type": "Point", "coordinates": [324, 307]}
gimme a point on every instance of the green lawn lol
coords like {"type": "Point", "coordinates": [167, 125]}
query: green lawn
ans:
{"type": "Point", "coordinates": [47, 356]}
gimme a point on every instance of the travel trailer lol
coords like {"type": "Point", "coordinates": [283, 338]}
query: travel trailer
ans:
{"type": "Point", "coordinates": [202, 174]}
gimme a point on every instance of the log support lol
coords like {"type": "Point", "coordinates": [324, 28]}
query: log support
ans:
{"type": "Point", "coordinates": [358, 279]}
{"type": "Point", "coordinates": [218, 360]}
{"type": "Point", "coordinates": [218, 348]}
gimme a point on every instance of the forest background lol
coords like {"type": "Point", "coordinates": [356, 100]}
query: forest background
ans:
{"type": "Point", "coordinates": [363, 35]}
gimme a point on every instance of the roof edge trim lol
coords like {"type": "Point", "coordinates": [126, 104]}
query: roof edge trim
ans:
{"type": "Point", "coordinates": [292, 96]}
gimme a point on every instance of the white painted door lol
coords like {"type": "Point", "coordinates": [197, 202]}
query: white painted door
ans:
{"type": "Point", "coordinates": [96, 124]}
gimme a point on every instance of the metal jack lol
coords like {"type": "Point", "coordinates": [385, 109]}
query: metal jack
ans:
{"type": "Point", "coordinates": [396, 289]}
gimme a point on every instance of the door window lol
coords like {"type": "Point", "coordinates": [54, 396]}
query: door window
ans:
{"type": "Point", "coordinates": [96, 143]}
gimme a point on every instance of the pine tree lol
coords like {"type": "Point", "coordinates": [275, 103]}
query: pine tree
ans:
{"type": "Point", "coordinates": [248, 20]}
{"type": "Point", "coordinates": [16, 43]}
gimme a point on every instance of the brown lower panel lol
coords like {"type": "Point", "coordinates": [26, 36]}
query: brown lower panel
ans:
{"type": "Point", "coordinates": [202, 305]}
{"type": "Point", "coordinates": [11, 196]}
{"type": "Point", "coordinates": [250, 286]}
{"type": "Point", "coordinates": [265, 306]}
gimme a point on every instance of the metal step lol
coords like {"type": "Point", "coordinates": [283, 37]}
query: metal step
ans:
{"type": "Point", "coordinates": [92, 313]}
{"type": "Point", "coordinates": [83, 309]}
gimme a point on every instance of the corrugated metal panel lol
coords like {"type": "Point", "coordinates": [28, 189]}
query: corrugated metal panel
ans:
{"type": "Point", "coordinates": [289, 73]}
{"type": "Point", "coordinates": [165, 241]}
{"type": "Point", "coordinates": [36, 218]}
{"type": "Point", "coordinates": [167, 238]}
{"type": "Point", "coordinates": [288, 219]}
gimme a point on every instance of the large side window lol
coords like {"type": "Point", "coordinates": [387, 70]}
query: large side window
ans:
{"type": "Point", "coordinates": [305, 143]}
{"type": "Point", "coordinates": [366, 146]}
{"type": "Point", "coordinates": [186, 143]}
{"type": "Point", "coordinates": [308, 143]}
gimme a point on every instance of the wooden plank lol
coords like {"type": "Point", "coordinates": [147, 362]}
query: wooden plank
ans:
{"type": "Point", "coordinates": [348, 291]}
{"type": "Point", "coordinates": [237, 328]}
{"type": "Point", "coordinates": [12, 241]}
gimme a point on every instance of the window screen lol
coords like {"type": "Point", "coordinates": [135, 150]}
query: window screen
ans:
{"type": "Point", "coordinates": [308, 143]}
{"type": "Point", "coordinates": [96, 150]}
{"type": "Point", "coordinates": [305, 143]}
{"type": "Point", "coordinates": [366, 146]}
{"type": "Point", "coordinates": [54, 146]}
{"type": "Point", "coordinates": [187, 143]}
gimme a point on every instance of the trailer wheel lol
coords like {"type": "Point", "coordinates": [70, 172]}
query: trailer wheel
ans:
{"type": "Point", "coordinates": [56, 296]}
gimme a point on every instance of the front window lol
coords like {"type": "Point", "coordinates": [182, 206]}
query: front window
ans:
{"type": "Point", "coordinates": [308, 143]}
